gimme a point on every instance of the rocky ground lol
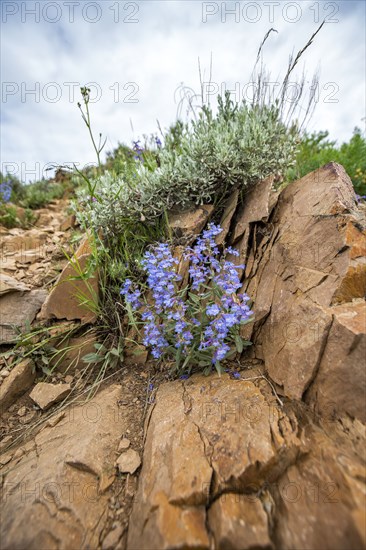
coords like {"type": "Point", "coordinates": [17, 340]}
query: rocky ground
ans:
{"type": "Point", "coordinates": [270, 455]}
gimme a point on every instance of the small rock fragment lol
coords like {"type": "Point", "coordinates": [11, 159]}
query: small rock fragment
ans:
{"type": "Point", "coordinates": [45, 395]}
{"type": "Point", "coordinates": [5, 459]}
{"type": "Point", "coordinates": [124, 444]}
{"type": "Point", "coordinates": [128, 462]}
{"type": "Point", "coordinates": [18, 382]}
{"type": "Point", "coordinates": [22, 411]}
{"type": "Point", "coordinates": [28, 417]}
{"type": "Point", "coordinates": [111, 540]}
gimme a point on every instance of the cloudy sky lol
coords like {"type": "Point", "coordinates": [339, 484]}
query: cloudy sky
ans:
{"type": "Point", "coordinates": [136, 56]}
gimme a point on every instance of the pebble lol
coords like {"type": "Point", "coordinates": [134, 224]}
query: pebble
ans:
{"type": "Point", "coordinates": [22, 411]}
{"type": "Point", "coordinates": [128, 462]}
{"type": "Point", "coordinates": [4, 373]}
{"type": "Point", "coordinates": [28, 417]}
{"type": "Point", "coordinates": [124, 444]}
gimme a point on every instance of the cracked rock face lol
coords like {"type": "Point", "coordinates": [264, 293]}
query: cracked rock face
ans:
{"type": "Point", "coordinates": [303, 260]}
{"type": "Point", "coordinates": [206, 438]}
{"type": "Point", "coordinates": [226, 469]}
{"type": "Point", "coordinates": [63, 302]}
{"type": "Point", "coordinates": [53, 497]}
{"type": "Point", "coordinates": [18, 307]}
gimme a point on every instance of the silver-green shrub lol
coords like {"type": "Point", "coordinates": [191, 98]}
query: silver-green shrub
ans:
{"type": "Point", "coordinates": [236, 147]}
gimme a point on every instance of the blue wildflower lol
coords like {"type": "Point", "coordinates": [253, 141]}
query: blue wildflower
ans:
{"type": "Point", "coordinates": [213, 310]}
{"type": "Point", "coordinates": [5, 190]}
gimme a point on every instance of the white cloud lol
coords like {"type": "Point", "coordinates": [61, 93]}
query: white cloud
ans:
{"type": "Point", "coordinates": [148, 60]}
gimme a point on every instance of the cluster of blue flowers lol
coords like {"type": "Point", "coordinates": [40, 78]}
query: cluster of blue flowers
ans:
{"type": "Point", "coordinates": [172, 322]}
{"type": "Point", "coordinates": [232, 309]}
{"type": "Point", "coordinates": [5, 191]}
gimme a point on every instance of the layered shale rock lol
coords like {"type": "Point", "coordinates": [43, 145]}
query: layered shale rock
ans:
{"type": "Point", "coordinates": [226, 467]}
{"type": "Point", "coordinates": [70, 296]}
{"type": "Point", "coordinates": [304, 257]}
{"type": "Point", "coordinates": [53, 493]}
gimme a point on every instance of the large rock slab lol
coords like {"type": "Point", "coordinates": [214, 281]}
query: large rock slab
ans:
{"type": "Point", "coordinates": [307, 258]}
{"type": "Point", "coordinates": [225, 467]}
{"type": "Point", "coordinates": [319, 502]}
{"type": "Point", "coordinates": [18, 308]}
{"type": "Point", "coordinates": [54, 496]}
{"type": "Point", "coordinates": [239, 521]}
{"type": "Point", "coordinates": [205, 436]}
{"type": "Point", "coordinates": [66, 299]}
{"type": "Point", "coordinates": [340, 383]}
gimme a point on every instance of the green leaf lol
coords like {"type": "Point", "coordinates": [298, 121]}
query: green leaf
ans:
{"type": "Point", "coordinates": [46, 370]}
{"type": "Point", "coordinates": [92, 358]}
{"type": "Point", "coordinates": [239, 343]}
{"type": "Point", "coordinates": [196, 299]}
{"type": "Point", "coordinates": [219, 368]}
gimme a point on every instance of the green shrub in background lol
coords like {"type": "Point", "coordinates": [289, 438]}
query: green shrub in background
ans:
{"type": "Point", "coordinates": [39, 194]}
{"type": "Point", "coordinates": [316, 150]}
{"type": "Point", "coordinates": [12, 216]}
{"type": "Point", "coordinates": [33, 195]}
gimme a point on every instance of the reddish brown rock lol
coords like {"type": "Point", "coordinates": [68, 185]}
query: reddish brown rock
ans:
{"type": "Point", "coordinates": [128, 462]}
{"type": "Point", "coordinates": [320, 501]}
{"type": "Point", "coordinates": [76, 348]}
{"type": "Point", "coordinates": [45, 395]}
{"type": "Point", "coordinates": [225, 467]}
{"type": "Point", "coordinates": [9, 284]}
{"type": "Point", "coordinates": [308, 258]}
{"type": "Point", "coordinates": [205, 436]}
{"type": "Point", "coordinates": [227, 216]}
{"type": "Point", "coordinates": [340, 383]}
{"type": "Point", "coordinates": [68, 223]}
{"type": "Point", "coordinates": [19, 380]}
{"type": "Point", "coordinates": [183, 265]}
{"type": "Point", "coordinates": [66, 300]}
{"type": "Point", "coordinates": [168, 480]}
{"type": "Point", "coordinates": [23, 241]}
{"type": "Point", "coordinates": [239, 521]}
{"type": "Point", "coordinates": [189, 223]}
{"type": "Point", "coordinates": [20, 309]}
{"type": "Point", "coordinates": [52, 497]}
{"type": "Point", "coordinates": [257, 204]}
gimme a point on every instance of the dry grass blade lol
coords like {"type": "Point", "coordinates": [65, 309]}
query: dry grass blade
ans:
{"type": "Point", "coordinates": [292, 64]}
